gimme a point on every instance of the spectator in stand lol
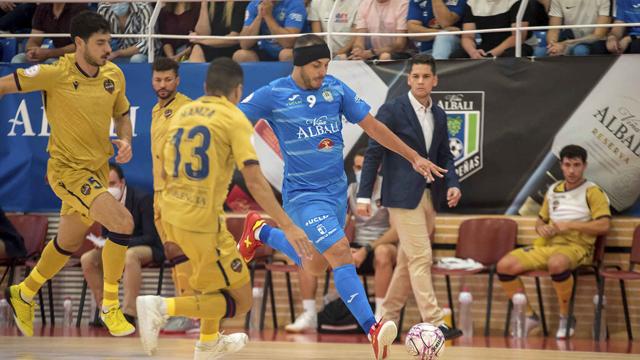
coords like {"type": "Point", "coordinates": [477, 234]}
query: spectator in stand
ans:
{"type": "Point", "coordinates": [343, 21]}
{"type": "Point", "coordinates": [625, 40]}
{"type": "Point", "coordinates": [144, 246]}
{"type": "Point", "coordinates": [15, 17]}
{"type": "Point", "coordinates": [128, 18]}
{"type": "Point", "coordinates": [177, 18]}
{"type": "Point", "coordinates": [381, 16]}
{"type": "Point", "coordinates": [436, 16]}
{"type": "Point", "coordinates": [221, 19]}
{"type": "Point", "coordinates": [578, 41]}
{"type": "Point", "coordinates": [269, 17]}
{"type": "Point", "coordinates": [482, 14]}
{"type": "Point", "coordinates": [50, 19]}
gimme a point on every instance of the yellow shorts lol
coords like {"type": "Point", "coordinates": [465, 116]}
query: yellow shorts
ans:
{"type": "Point", "coordinates": [214, 258]}
{"type": "Point", "coordinates": [537, 257]}
{"type": "Point", "coordinates": [77, 188]}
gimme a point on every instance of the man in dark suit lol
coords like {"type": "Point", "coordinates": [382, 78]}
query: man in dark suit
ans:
{"type": "Point", "coordinates": [144, 246]}
{"type": "Point", "coordinates": [423, 126]}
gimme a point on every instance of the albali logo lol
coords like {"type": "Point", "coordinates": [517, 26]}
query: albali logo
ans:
{"type": "Point", "coordinates": [27, 116]}
{"type": "Point", "coordinates": [465, 118]}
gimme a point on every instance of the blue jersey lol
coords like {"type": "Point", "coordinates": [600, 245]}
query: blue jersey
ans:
{"type": "Point", "coordinates": [287, 13]}
{"type": "Point", "coordinates": [629, 12]}
{"type": "Point", "coordinates": [422, 10]}
{"type": "Point", "coordinates": [308, 125]}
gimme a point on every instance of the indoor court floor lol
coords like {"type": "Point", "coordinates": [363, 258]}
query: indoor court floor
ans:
{"type": "Point", "coordinates": [95, 344]}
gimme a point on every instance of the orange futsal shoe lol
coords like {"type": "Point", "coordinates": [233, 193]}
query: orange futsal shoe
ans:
{"type": "Point", "coordinates": [248, 242]}
{"type": "Point", "coordinates": [382, 334]}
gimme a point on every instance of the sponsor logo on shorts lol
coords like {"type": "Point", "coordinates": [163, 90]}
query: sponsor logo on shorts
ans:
{"type": "Point", "coordinates": [109, 85]}
{"type": "Point", "coordinates": [236, 265]}
{"type": "Point", "coordinates": [85, 189]}
{"type": "Point", "coordinates": [315, 220]}
{"type": "Point", "coordinates": [321, 229]}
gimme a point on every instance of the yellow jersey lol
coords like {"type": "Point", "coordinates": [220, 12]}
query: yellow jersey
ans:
{"type": "Point", "coordinates": [205, 140]}
{"type": "Point", "coordinates": [584, 203]}
{"type": "Point", "coordinates": [160, 119]}
{"type": "Point", "coordinates": [79, 108]}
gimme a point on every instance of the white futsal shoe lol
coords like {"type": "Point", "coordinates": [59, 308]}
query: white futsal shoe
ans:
{"type": "Point", "coordinates": [152, 316]}
{"type": "Point", "coordinates": [306, 321]}
{"type": "Point", "coordinates": [226, 344]}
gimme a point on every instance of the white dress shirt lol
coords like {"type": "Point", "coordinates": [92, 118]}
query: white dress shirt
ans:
{"type": "Point", "coordinates": [425, 118]}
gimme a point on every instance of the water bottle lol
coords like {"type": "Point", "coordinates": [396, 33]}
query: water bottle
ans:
{"type": "Point", "coordinates": [67, 312]}
{"type": "Point", "coordinates": [466, 320]}
{"type": "Point", "coordinates": [5, 313]}
{"type": "Point", "coordinates": [518, 315]}
{"type": "Point", "coordinates": [446, 316]}
{"type": "Point", "coordinates": [254, 323]}
{"type": "Point", "coordinates": [603, 318]}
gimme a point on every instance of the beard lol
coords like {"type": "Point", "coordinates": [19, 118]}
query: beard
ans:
{"type": "Point", "coordinates": [94, 62]}
{"type": "Point", "coordinates": [167, 94]}
{"type": "Point", "coordinates": [308, 81]}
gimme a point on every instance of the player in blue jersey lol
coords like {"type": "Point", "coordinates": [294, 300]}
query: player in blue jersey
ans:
{"type": "Point", "coordinates": [305, 111]}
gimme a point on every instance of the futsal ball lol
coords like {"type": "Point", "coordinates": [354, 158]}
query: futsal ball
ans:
{"type": "Point", "coordinates": [425, 342]}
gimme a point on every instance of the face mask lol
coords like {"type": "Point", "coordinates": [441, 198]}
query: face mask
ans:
{"type": "Point", "coordinates": [120, 9]}
{"type": "Point", "coordinates": [358, 174]}
{"type": "Point", "coordinates": [116, 192]}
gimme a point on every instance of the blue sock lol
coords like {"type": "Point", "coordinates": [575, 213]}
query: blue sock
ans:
{"type": "Point", "coordinates": [276, 239]}
{"type": "Point", "coordinates": [352, 293]}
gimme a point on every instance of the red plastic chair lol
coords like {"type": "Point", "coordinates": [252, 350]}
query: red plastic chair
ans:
{"type": "Point", "coordinates": [615, 272]}
{"type": "Point", "coordinates": [33, 229]}
{"type": "Point", "coordinates": [485, 240]}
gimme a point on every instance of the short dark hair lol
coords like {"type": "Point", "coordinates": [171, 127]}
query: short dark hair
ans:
{"type": "Point", "coordinates": [115, 167]}
{"type": "Point", "coordinates": [361, 151]}
{"type": "Point", "coordinates": [423, 59]}
{"type": "Point", "coordinates": [573, 152]}
{"type": "Point", "coordinates": [308, 40]}
{"type": "Point", "coordinates": [87, 23]}
{"type": "Point", "coordinates": [224, 76]}
{"type": "Point", "coordinates": [165, 64]}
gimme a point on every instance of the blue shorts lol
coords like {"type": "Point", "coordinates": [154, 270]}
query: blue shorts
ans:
{"type": "Point", "coordinates": [321, 218]}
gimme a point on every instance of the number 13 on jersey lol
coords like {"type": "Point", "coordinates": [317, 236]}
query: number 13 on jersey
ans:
{"type": "Point", "coordinates": [191, 146]}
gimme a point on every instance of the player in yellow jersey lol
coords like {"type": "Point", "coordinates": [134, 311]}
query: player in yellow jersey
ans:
{"type": "Point", "coordinates": [207, 139]}
{"type": "Point", "coordinates": [574, 212]}
{"type": "Point", "coordinates": [165, 80]}
{"type": "Point", "coordinates": [81, 93]}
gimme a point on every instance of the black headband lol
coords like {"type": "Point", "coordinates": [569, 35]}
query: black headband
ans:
{"type": "Point", "coordinates": [304, 55]}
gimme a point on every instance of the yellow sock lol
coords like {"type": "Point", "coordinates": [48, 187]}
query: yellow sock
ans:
{"type": "Point", "coordinates": [513, 286]}
{"type": "Point", "coordinates": [209, 330]}
{"type": "Point", "coordinates": [113, 256]}
{"type": "Point", "coordinates": [563, 290]}
{"type": "Point", "coordinates": [51, 262]}
{"type": "Point", "coordinates": [181, 274]}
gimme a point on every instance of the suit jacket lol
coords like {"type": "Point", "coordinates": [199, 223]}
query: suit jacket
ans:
{"type": "Point", "coordinates": [140, 205]}
{"type": "Point", "coordinates": [402, 187]}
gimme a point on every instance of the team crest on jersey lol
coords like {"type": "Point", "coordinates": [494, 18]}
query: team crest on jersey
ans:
{"type": "Point", "coordinates": [326, 94]}
{"type": "Point", "coordinates": [168, 113]}
{"type": "Point", "coordinates": [465, 115]}
{"type": "Point", "coordinates": [325, 145]}
{"type": "Point", "coordinates": [109, 85]}
{"type": "Point", "coordinates": [236, 265]}
{"type": "Point", "coordinates": [85, 189]}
